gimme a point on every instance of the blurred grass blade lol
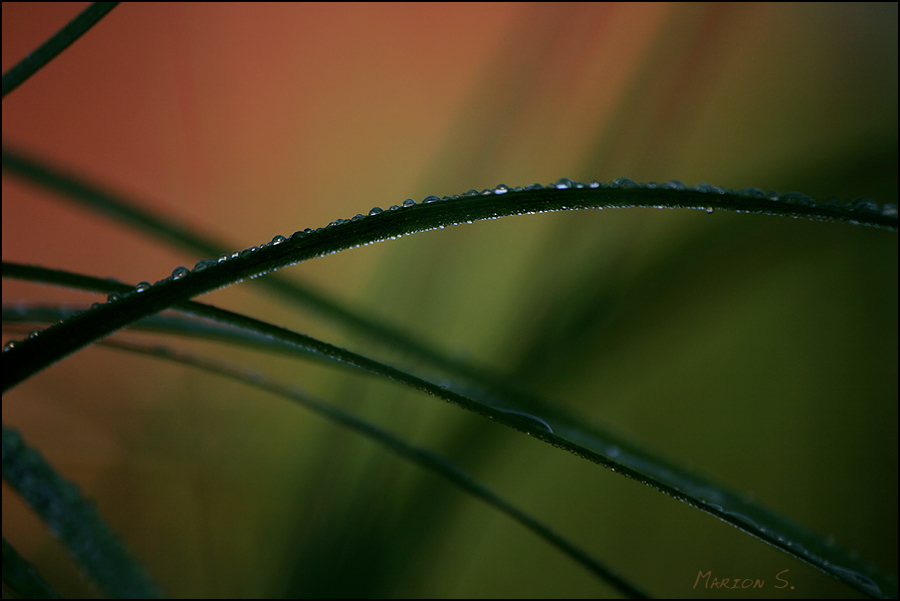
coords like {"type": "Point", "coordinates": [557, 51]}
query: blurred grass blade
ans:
{"type": "Point", "coordinates": [424, 458]}
{"type": "Point", "coordinates": [61, 40]}
{"type": "Point", "coordinates": [74, 520]}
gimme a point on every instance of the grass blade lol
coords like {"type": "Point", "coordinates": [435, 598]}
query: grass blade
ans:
{"type": "Point", "coordinates": [61, 40]}
{"type": "Point", "coordinates": [74, 520]}
{"type": "Point", "coordinates": [603, 448]}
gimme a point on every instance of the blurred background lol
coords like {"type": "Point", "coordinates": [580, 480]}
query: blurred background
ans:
{"type": "Point", "coordinates": [761, 351]}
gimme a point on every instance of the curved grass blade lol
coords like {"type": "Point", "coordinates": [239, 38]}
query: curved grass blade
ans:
{"type": "Point", "coordinates": [608, 450]}
{"type": "Point", "coordinates": [74, 520]}
{"type": "Point", "coordinates": [61, 40]}
{"type": "Point", "coordinates": [433, 213]}
{"type": "Point", "coordinates": [129, 212]}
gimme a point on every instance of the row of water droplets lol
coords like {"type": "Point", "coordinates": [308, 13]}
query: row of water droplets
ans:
{"type": "Point", "coordinates": [181, 271]}
{"type": "Point", "coordinates": [862, 206]}
{"type": "Point", "coordinates": [794, 198]}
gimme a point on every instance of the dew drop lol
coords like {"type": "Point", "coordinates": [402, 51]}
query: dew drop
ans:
{"type": "Point", "coordinates": [863, 581]}
{"type": "Point", "coordinates": [236, 254]}
{"type": "Point", "coordinates": [564, 183]}
{"type": "Point", "coordinates": [393, 208]}
{"type": "Point", "coordinates": [801, 200]}
{"type": "Point", "coordinates": [472, 192]}
{"type": "Point", "coordinates": [223, 258]}
{"type": "Point", "coordinates": [501, 189]}
{"type": "Point", "coordinates": [624, 182]}
{"type": "Point", "coordinates": [864, 204]}
{"type": "Point", "coordinates": [113, 297]}
{"type": "Point", "coordinates": [704, 187]}
{"type": "Point", "coordinates": [753, 193]}
{"type": "Point", "coordinates": [10, 344]}
{"type": "Point", "coordinates": [278, 240]}
{"type": "Point", "coordinates": [889, 210]}
{"type": "Point", "coordinates": [409, 202]}
{"type": "Point", "coordinates": [375, 210]}
{"type": "Point", "coordinates": [298, 234]}
{"type": "Point", "coordinates": [674, 184]}
{"type": "Point", "coordinates": [179, 272]}
{"type": "Point", "coordinates": [529, 417]}
{"type": "Point", "coordinates": [430, 199]}
{"type": "Point", "coordinates": [142, 287]}
{"type": "Point", "coordinates": [709, 210]}
{"type": "Point", "coordinates": [201, 265]}
{"type": "Point", "coordinates": [248, 252]}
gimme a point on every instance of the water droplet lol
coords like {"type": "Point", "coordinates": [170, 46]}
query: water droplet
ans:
{"type": "Point", "coordinates": [795, 198]}
{"type": "Point", "coordinates": [889, 210]}
{"type": "Point", "coordinates": [248, 252]}
{"type": "Point", "coordinates": [472, 192]}
{"type": "Point", "coordinates": [142, 287]}
{"type": "Point", "coordinates": [298, 234]}
{"type": "Point", "coordinates": [528, 416]}
{"type": "Point", "coordinates": [375, 210]}
{"type": "Point", "coordinates": [624, 182]}
{"type": "Point", "coordinates": [704, 187]}
{"type": "Point", "coordinates": [223, 258]}
{"type": "Point", "coordinates": [278, 240]}
{"type": "Point", "coordinates": [393, 208]}
{"type": "Point", "coordinates": [674, 184]}
{"type": "Point", "coordinates": [201, 265]}
{"type": "Point", "coordinates": [865, 204]}
{"type": "Point", "coordinates": [179, 272]}
{"type": "Point", "coordinates": [409, 202]}
{"type": "Point", "coordinates": [709, 210]}
{"type": "Point", "coordinates": [564, 182]}
{"type": "Point", "coordinates": [95, 305]}
{"type": "Point", "coordinates": [113, 297]}
{"type": "Point", "coordinates": [430, 199]}
{"type": "Point", "coordinates": [10, 344]}
{"type": "Point", "coordinates": [501, 189]}
{"type": "Point", "coordinates": [236, 254]}
{"type": "Point", "coordinates": [753, 193]}
{"type": "Point", "coordinates": [863, 581]}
